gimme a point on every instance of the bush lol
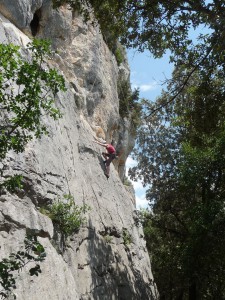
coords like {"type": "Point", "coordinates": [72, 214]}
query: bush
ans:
{"type": "Point", "coordinates": [68, 216]}
{"type": "Point", "coordinates": [129, 105]}
{"type": "Point", "coordinates": [124, 95]}
{"type": "Point", "coordinates": [119, 55]}
{"type": "Point", "coordinates": [108, 238]}
{"type": "Point", "coordinates": [127, 238]}
{"type": "Point", "coordinates": [127, 182]}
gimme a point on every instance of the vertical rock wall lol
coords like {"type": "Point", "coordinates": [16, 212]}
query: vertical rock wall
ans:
{"type": "Point", "coordinates": [93, 263]}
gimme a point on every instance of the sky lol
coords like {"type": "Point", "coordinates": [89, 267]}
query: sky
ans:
{"type": "Point", "coordinates": [147, 74]}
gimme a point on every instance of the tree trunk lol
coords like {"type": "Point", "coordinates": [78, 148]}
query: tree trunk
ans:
{"type": "Point", "coordinates": [192, 291]}
{"type": "Point", "coordinates": [180, 295]}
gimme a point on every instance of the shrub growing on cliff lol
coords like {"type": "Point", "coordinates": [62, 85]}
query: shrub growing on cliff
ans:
{"type": "Point", "coordinates": [129, 105]}
{"type": "Point", "coordinates": [67, 216]}
{"type": "Point", "coordinates": [119, 55]}
{"type": "Point", "coordinates": [127, 238]}
{"type": "Point", "coordinates": [108, 239]}
{"type": "Point", "coordinates": [126, 181]}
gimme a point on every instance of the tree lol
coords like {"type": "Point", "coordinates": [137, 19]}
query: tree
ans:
{"type": "Point", "coordinates": [180, 154]}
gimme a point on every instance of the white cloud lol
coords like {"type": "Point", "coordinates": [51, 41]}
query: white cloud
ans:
{"type": "Point", "coordinates": [139, 81]}
{"type": "Point", "coordinates": [141, 202]}
{"type": "Point", "coordinates": [130, 162]}
{"type": "Point", "coordinates": [145, 87]}
{"type": "Point", "coordinates": [137, 185]}
{"type": "Point", "coordinates": [148, 87]}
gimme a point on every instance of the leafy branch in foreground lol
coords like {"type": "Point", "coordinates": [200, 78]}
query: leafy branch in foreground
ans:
{"type": "Point", "coordinates": [27, 92]}
{"type": "Point", "coordinates": [34, 252]}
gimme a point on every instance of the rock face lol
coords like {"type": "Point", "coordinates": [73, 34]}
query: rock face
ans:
{"type": "Point", "coordinates": [94, 263]}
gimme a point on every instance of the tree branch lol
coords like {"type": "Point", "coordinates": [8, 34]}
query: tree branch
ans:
{"type": "Point", "coordinates": [182, 86]}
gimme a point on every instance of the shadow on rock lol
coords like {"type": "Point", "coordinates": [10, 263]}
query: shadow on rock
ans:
{"type": "Point", "coordinates": [101, 162]}
{"type": "Point", "coordinates": [111, 278]}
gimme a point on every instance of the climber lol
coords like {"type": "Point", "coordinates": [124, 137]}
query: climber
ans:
{"type": "Point", "coordinates": [109, 156]}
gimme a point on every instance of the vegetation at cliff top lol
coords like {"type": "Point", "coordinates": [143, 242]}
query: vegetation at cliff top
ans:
{"type": "Point", "coordinates": [160, 25]}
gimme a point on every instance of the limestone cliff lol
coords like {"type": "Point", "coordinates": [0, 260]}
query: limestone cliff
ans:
{"type": "Point", "coordinates": [68, 162]}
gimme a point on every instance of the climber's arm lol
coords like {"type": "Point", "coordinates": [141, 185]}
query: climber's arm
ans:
{"type": "Point", "coordinates": [101, 144]}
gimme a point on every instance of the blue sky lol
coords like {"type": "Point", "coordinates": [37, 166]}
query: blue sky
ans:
{"type": "Point", "coordinates": [147, 74]}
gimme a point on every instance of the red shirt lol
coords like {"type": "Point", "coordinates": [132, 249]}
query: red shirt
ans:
{"type": "Point", "coordinates": [110, 149]}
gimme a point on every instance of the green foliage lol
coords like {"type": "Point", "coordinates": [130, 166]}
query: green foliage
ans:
{"type": "Point", "coordinates": [124, 94]}
{"type": "Point", "coordinates": [127, 238]}
{"type": "Point", "coordinates": [67, 216]}
{"type": "Point", "coordinates": [127, 182]}
{"type": "Point", "coordinates": [27, 91]}
{"type": "Point", "coordinates": [119, 55]}
{"type": "Point", "coordinates": [129, 105]}
{"type": "Point", "coordinates": [108, 239]}
{"type": "Point", "coordinates": [13, 183]}
{"type": "Point", "coordinates": [180, 154]}
{"type": "Point", "coordinates": [34, 252]}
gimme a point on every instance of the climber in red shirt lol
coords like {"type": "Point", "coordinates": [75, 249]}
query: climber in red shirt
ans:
{"type": "Point", "coordinates": [109, 155]}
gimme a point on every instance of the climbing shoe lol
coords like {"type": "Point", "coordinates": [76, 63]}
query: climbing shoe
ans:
{"type": "Point", "coordinates": [106, 175]}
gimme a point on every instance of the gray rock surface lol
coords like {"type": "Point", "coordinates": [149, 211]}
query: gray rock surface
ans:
{"type": "Point", "coordinates": [93, 263]}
